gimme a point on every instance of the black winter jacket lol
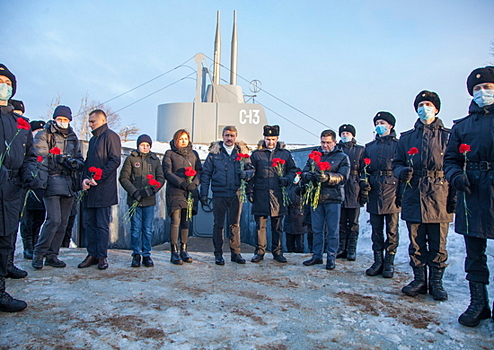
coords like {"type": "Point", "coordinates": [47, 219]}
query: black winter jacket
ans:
{"type": "Point", "coordinates": [174, 163]}
{"type": "Point", "coordinates": [104, 152]}
{"type": "Point", "coordinates": [383, 183]}
{"type": "Point", "coordinates": [332, 191]}
{"type": "Point", "coordinates": [63, 170]}
{"type": "Point", "coordinates": [477, 131]}
{"type": "Point", "coordinates": [268, 199]}
{"type": "Point", "coordinates": [294, 221]}
{"type": "Point", "coordinates": [221, 170]}
{"type": "Point", "coordinates": [352, 187]}
{"type": "Point", "coordinates": [133, 176]}
{"type": "Point", "coordinates": [18, 167]}
{"type": "Point", "coordinates": [425, 197]}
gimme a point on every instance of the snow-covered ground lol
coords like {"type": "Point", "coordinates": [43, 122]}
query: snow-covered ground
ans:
{"type": "Point", "coordinates": [253, 306]}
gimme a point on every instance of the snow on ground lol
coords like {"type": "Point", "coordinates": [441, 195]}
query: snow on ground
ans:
{"type": "Point", "coordinates": [253, 306]}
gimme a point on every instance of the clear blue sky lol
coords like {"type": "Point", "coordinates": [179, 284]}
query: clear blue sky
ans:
{"type": "Point", "coordinates": [337, 61]}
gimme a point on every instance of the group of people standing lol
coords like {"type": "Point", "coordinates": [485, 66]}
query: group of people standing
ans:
{"type": "Point", "coordinates": [427, 174]}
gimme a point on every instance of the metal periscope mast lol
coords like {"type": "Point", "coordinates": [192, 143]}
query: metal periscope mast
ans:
{"type": "Point", "coordinates": [216, 106]}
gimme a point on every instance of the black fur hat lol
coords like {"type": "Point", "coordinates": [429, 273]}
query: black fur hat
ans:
{"type": "Point", "coordinates": [347, 127]}
{"type": "Point", "coordinates": [480, 76]}
{"type": "Point", "coordinates": [427, 96]}
{"type": "Point", "coordinates": [5, 71]}
{"type": "Point", "coordinates": [37, 124]}
{"type": "Point", "coordinates": [18, 105]}
{"type": "Point", "coordinates": [271, 130]}
{"type": "Point", "coordinates": [385, 116]}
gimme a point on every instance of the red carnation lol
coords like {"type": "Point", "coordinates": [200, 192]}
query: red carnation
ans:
{"type": "Point", "coordinates": [149, 176]}
{"type": "Point", "coordinates": [40, 159]}
{"type": "Point", "coordinates": [464, 148]}
{"type": "Point", "coordinates": [367, 161]}
{"type": "Point", "coordinates": [324, 166]}
{"type": "Point", "coordinates": [190, 172]}
{"type": "Point", "coordinates": [23, 124]}
{"type": "Point", "coordinates": [154, 182]}
{"type": "Point", "coordinates": [55, 150]}
{"type": "Point", "coordinates": [413, 150]}
{"type": "Point", "coordinates": [298, 173]}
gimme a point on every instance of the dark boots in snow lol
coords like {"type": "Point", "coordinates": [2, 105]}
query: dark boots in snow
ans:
{"type": "Point", "coordinates": [478, 309]}
{"type": "Point", "coordinates": [377, 267]}
{"type": "Point", "coordinates": [419, 283]}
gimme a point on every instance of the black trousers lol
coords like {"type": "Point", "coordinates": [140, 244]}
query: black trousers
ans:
{"type": "Point", "coordinates": [229, 208]}
{"type": "Point", "coordinates": [428, 244]}
{"type": "Point", "coordinates": [349, 225]}
{"type": "Point", "coordinates": [31, 224]}
{"type": "Point", "coordinates": [392, 236]}
{"type": "Point", "coordinates": [476, 260]}
{"type": "Point", "coordinates": [294, 243]}
{"type": "Point", "coordinates": [276, 234]}
{"type": "Point", "coordinates": [97, 229]}
{"type": "Point", "coordinates": [57, 215]}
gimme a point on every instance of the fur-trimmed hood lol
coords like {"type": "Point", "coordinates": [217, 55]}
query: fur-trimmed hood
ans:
{"type": "Point", "coordinates": [240, 146]}
{"type": "Point", "coordinates": [279, 145]}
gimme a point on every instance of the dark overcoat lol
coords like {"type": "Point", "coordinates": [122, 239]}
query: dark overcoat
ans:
{"type": "Point", "coordinates": [104, 152]}
{"type": "Point", "coordinates": [268, 199]}
{"type": "Point", "coordinates": [294, 221]}
{"type": "Point", "coordinates": [19, 163]}
{"type": "Point", "coordinates": [174, 163]}
{"type": "Point", "coordinates": [352, 187]}
{"type": "Point", "coordinates": [133, 176]}
{"type": "Point", "coordinates": [477, 131]}
{"type": "Point", "coordinates": [424, 199]}
{"type": "Point", "coordinates": [383, 183]}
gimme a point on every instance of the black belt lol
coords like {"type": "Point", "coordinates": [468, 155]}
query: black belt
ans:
{"type": "Point", "coordinates": [482, 166]}
{"type": "Point", "coordinates": [428, 173]}
{"type": "Point", "coordinates": [382, 173]}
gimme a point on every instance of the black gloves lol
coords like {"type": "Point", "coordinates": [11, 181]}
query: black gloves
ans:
{"type": "Point", "coordinates": [365, 186]}
{"type": "Point", "coordinates": [406, 174]}
{"type": "Point", "coordinates": [461, 183]}
{"type": "Point", "coordinates": [398, 200]}
{"type": "Point", "coordinates": [308, 176]}
{"type": "Point", "coordinates": [363, 198]}
{"type": "Point", "coordinates": [137, 196]}
{"type": "Point", "coordinates": [250, 197]}
{"type": "Point", "coordinates": [283, 181]}
{"type": "Point", "coordinates": [185, 185]}
{"type": "Point", "coordinates": [451, 207]}
{"type": "Point", "coordinates": [191, 187]}
{"type": "Point", "coordinates": [242, 174]}
{"type": "Point", "coordinates": [146, 192]}
{"type": "Point", "coordinates": [204, 200]}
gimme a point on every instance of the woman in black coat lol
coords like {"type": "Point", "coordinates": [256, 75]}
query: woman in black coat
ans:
{"type": "Point", "coordinates": [175, 162]}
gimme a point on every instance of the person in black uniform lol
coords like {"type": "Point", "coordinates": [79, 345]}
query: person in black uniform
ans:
{"type": "Point", "coordinates": [17, 166]}
{"type": "Point", "coordinates": [350, 208]}
{"type": "Point", "coordinates": [425, 194]}
{"type": "Point", "coordinates": [381, 186]}
{"type": "Point", "coordinates": [469, 167]}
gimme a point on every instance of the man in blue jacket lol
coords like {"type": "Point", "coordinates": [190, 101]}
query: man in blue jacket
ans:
{"type": "Point", "coordinates": [222, 170]}
{"type": "Point", "coordinates": [104, 152]}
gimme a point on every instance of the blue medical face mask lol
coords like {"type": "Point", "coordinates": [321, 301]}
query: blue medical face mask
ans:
{"type": "Point", "coordinates": [62, 125]}
{"type": "Point", "coordinates": [346, 139]}
{"type": "Point", "coordinates": [483, 97]}
{"type": "Point", "coordinates": [426, 112]}
{"type": "Point", "coordinates": [5, 92]}
{"type": "Point", "coordinates": [381, 129]}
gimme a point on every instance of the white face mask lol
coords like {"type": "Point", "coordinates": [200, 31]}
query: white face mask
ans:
{"type": "Point", "coordinates": [345, 139]}
{"type": "Point", "coordinates": [5, 92]}
{"type": "Point", "coordinates": [426, 112]}
{"type": "Point", "coordinates": [483, 97]}
{"type": "Point", "coordinates": [63, 125]}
